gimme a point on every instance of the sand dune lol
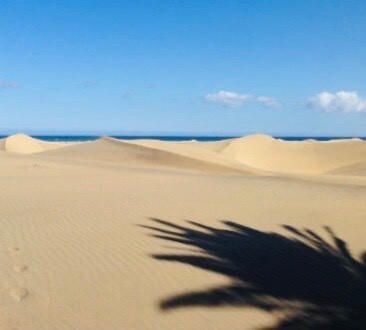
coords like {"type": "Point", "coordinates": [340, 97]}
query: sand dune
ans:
{"type": "Point", "coordinates": [24, 144]}
{"type": "Point", "coordinates": [306, 157]}
{"type": "Point", "coordinates": [213, 145]}
{"type": "Point", "coordinates": [356, 169]}
{"type": "Point", "coordinates": [2, 144]}
{"type": "Point", "coordinates": [123, 153]}
{"type": "Point", "coordinates": [198, 151]}
{"type": "Point", "coordinates": [256, 154]}
{"type": "Point", "coordinates": [79, 249]}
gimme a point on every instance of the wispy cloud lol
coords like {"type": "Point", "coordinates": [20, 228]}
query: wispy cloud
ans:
{"type": "Point", "coordinates": [229, 99]}
{"type": "Point", "coordinates": [8, 85]}
{"type": "Point", "coordinates": [342, 101]}
{"type": "Point", "coordinates": [237, 100]}
{"type": "Point", "coordinates": [268, 101]}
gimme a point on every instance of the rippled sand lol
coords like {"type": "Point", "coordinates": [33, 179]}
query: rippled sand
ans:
{"type": "Point", "coordinates": [96, 235]}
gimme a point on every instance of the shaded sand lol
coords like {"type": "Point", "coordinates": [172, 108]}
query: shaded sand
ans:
{"type": "Point", "coordinates": [116, 152]}
{"type": "Point", "coordinates": [80, 249]}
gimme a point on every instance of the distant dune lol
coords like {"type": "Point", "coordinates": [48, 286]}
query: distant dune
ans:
{"type": "Point", "coordinates": [306, 157]}
{"type": "Point", "coordinates": [253, 154]}
{"type": "Point", "coordinates": [24, 144]}
{"type": "Point", "coordinates": [123, 153]}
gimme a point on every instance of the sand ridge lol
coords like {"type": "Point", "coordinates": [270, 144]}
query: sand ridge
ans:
{"type": "Point", "coordinates": [256, 154]}
{"type": "Point", "coordinates": [24, 144]}
{"type": "Point", "coordinates": [303, 157]}
{"type": "Point", "coordinates": [130, 154]}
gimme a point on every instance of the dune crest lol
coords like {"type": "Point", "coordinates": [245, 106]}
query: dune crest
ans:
{"type": "Point", "coordinates": [22, 144]}
{"type": "Point", "coordinates": [133, 154]}
{"type": "Point", "coordinates": [25, 144]}
{"type": "Point", "coordinates": [303, 157]}
{"type": "Point", "coordinates": [254, 154]}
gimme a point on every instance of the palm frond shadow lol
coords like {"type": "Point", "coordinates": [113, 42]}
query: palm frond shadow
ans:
{"type": "Point", "coordinates": [315, 283]}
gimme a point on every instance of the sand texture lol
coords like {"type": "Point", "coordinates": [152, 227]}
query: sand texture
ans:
{"type": "Point", "coordinates": [246, 233]}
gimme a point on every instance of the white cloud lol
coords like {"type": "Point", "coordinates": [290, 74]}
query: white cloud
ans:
{"type": "Point", "coordinates": [228, 99]}
{"type": "Point", "coordinates": [268, 101]}
{"type": "Point", "coordinates": [236, 100]}
{"type": "Point", "coordinates": [342, 101]}
{"type": "Point", "coordinates": [8, 85]}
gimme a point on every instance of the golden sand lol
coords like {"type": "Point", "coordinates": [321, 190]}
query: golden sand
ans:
{"type": "Point", "coordinates": [79, 248]}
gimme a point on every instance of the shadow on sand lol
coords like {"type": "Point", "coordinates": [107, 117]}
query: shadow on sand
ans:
{"type": "Point", "coordinates": [314, 283]}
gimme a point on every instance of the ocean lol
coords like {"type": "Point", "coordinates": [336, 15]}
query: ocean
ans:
{"type": "Point", "coordinates": [80, 138]}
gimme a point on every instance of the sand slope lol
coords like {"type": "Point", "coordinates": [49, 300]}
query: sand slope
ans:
{"type": "Point", "coordinates": [122, 153]}
{"type": "Point", "coordinates": [198, 151]}
{"type": "Point", "coordinates": [213, 146]}
{"type": "Point", "coordinates": [256, 154]}
{"type": "Point", "coordinates": [24, 144]}
{"type": "Point", "coordinates": [356, 169]}
{"type": "Point", "coordinates": [307, 157]}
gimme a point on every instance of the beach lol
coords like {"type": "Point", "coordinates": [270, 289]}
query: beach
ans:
{"type": "Point", "coordinates": [150, 234]}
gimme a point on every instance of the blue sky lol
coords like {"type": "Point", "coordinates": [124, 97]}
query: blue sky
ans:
{"type": "Point", "coordinates": [183, 67]}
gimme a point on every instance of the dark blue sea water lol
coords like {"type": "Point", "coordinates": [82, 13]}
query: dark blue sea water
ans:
{"type": "Point", "coordinates": [72, 138]}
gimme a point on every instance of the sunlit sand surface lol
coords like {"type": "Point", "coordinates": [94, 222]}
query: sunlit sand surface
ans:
{"type": "Point", "coordinates": [99, 235]}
